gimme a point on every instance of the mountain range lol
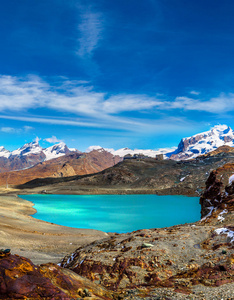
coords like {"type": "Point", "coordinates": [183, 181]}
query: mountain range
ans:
{"type": "Point", "coordinates": [203, 143]}
{"type": "Point", "coordinates": [32, 161]}
{"type": "Point", "coordinates": [189, 147]}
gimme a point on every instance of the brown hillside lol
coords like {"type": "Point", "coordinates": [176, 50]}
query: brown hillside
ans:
{"type": "Point", "coordinates": [68, 165]}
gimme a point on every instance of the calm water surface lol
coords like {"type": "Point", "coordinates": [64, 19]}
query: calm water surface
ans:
{"type": "Point", "coordinates": [115, 213]}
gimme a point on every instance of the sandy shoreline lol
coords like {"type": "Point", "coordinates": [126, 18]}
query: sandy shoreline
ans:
{"type": "Point", "coordinates": [38, 240]}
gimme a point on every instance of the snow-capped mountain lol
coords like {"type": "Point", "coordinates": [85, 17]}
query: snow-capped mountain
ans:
{"type": "Point", "coordinates": [204, 142]}
{"type": "Point", "coordinates": [4, 153]}
{"type": "Point", "coordinates": [56, 151]}
{"type": "Point", "coordinates": [188, 148]}
{"type": "Point", "coordinates": [28, 149]}
{"type": "Point", "coordinates": [32, 153]}
{"type": "Point", "coordinates": [127, 151]}
{"type": "Point", "coordinates": [147, 152]}
{"type": "Point", "coordinates": [34, 148]}
{"type": "Point", "coordinates": [29, 155]}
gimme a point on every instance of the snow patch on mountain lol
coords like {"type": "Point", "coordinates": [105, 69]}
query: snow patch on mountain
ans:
{"type": "Point", "coordinates": [188, 148]}
{"type": "Point", "coordinates": [146, 152]}
{"type": "Point", "coordinates": [34, 148]}
{"type": "Point", "coordinates": [56, 151]}
{"type": "Point", "coordinates": [4, 153]}
{"type": "Point", "coordinates": [125, 151]}
{"type": "Point", "coordinates": [28, 149]}
{"type": "Point", "coordinates": [98, 148]}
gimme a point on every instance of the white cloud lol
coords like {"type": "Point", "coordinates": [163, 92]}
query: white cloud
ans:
{"type": "Point", "coordinates": [53, 140]}
{"type": "Point", "coordinates": [88, 107]}
{"type": "Point", "coordinates": [91, 148]}
{"type": "Point", "coordinates": [94, 108]}
{"type": "Point", "coordinates": [27, 128]}
{"type": "Point", "coordinates": [9, 130]}
{"type": "Point", "coordinates": [16, 130]}
{"type": "Point", "coordinates": [33, 92]}
{"type": "Point", "coordinates": [195, 93]}
{"type": "Point", "coordinates": [121, 103]}
{"type": "Point", "coordinates": [37, 139]}
{"type": "Point", "coordinates": [222, 104]}
{"type": "Point", "coordinates": [21, 93]}
{"type": "Point", "coordinates": [90, 30]}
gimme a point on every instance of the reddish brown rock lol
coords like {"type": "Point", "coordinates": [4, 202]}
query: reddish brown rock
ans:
{"type": "Point", "coordinates": [21, 279]}
{"type": "Point", "coordinates": [219, 193]}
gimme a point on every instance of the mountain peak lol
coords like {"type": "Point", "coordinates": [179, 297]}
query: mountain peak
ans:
{"type": "Point", "coordinates": [4, 152]}
{"type": "Point", "coordinates": [28, 148]}
{"type": "Point", "coordinates": [56, 150]}
{"type": "Point", "coordinates": [204, 142]}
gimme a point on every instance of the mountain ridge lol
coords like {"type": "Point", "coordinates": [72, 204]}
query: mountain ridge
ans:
{"type": "Point", "coordinates": [67, 165]}
{"type": "Point", "coordinates": [203, 143]}
{"type": "Point", "coordinates": [139, 176]}
{"type": "Point", "coordinates": [188, 148]}
{"type": "Point", "coordinates": [191, 147]}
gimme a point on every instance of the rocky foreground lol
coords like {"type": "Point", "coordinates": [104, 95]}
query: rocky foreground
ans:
{"type": "Point", "coordinates": [191, 261]}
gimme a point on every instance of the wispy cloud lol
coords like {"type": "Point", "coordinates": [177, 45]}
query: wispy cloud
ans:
{"type": "Point", "coordinates": [9, 130]}
{"type": "Point", "coordinates": [195, 93]}
{"type": "Point", "coordinates": [94, 109]}
{"type": "Point", "coordinates": [90, 32]}
{"type": "Point", "coordinates": [53, 140]}
{"type": "Point", "coordinates": [222, 104]}
{"type": "Point", "coordinates": [87, 108]}
{"type": "Point", "coordinates": [51, 120]}
{"type": "Point", "coordinates": [12, 130]}
{"type": "Point", "coordinates": [37, 139]}
{"type": "Point", "coordinates": [121, 103]}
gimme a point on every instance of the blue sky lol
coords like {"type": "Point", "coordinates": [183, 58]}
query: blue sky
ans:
{"type": "Point", "coordinates": [138, 74]}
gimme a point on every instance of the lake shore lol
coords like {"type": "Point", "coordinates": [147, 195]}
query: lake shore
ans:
{"type": "Point", "coordinates": [180, 256]}
{"type": "Point", "coordinates": [35, 239]}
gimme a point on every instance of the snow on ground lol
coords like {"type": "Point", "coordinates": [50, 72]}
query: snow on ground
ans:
{"type": "Point", "coordinates": [220, 216]}
{"type": "Point", "coordinates": [231, 179]}
{"type": "Point", "coordinates": [183, 178]}
{"type": "Point", "coordinates": [211, 208]}
{"type": "Point", "coordinates": [226, 231]}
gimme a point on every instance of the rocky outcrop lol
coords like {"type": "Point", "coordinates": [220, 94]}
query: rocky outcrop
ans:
{"type": "Point", "coordinates": [218, 197]}
{"type": "Point", "coordinates": [21, 279]}
{"type": "Point", "coordinates": [65, 171]}
{"type": "Point", "coordinates": [158, 262]}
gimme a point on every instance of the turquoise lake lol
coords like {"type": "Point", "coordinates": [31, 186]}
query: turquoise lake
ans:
{"type": "Point", "coordinates": [115, 213]}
